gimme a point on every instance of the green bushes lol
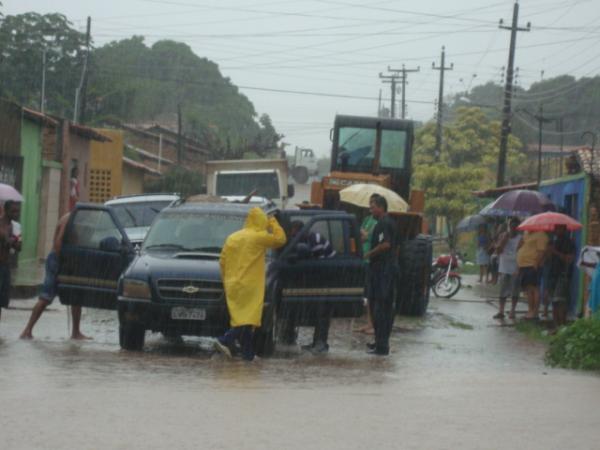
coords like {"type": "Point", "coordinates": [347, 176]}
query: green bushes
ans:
{"type": "Point", "coordinates": [576, 346]}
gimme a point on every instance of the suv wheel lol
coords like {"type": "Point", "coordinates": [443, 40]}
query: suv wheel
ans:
{"type": "Point", "coordinates": [131, 336]}
{"type": "Point", "coordinates": [264, 337]}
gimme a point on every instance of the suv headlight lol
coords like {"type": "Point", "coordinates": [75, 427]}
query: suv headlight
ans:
{"type": "Point", "coordinates": [136, 289]}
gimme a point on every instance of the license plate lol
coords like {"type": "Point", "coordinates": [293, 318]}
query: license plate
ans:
{"type": "Point", "coordinates": [181, 313]}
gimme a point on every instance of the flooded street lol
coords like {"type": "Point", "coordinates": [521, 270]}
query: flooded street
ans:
{"type": "Point", "coordinates": [454, 380]}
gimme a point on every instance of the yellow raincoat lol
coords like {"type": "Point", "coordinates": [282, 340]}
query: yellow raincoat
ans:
{"type": "Point", "coordinates": [243, 266]}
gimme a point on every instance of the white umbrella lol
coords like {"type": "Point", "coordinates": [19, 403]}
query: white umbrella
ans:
{"type": "Point", "coordinates": [7, 192]}
{"type": "Point", "coordinates": [359, 195]}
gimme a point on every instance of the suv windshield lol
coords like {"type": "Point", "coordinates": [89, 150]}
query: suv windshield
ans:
{"type": "Point", "coordinates": [140, 214]}
{"type": "Point", "coordinates": [265, 183]}
{"type": "Point", "coordinates": [187, 231]}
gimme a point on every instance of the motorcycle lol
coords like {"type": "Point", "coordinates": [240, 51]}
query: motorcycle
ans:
{"type": "Point", "coordinates": [445, 280]}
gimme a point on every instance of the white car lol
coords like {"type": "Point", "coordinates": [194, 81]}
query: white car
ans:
{"type": "Point", "coordinates": [136, 212]}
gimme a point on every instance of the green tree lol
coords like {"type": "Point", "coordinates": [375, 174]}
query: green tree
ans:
{"type": "Point", "coordinates": [130, 81]}
{"type": "Point", "coordinates": [448, 193]}
{"type": "Point", "coordinates": [577, 101]}
{"type": "Point", "coordinates": [134, 82]}
{"type": "Point", "coordinates": [471, 139]}
{"type": "Point", "coordinates": [468, 162]}
{"type": "Point", "coordinates": [24, 39]}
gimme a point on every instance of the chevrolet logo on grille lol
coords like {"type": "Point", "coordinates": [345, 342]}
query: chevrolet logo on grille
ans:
{"type": "Point", "coordinates": [190, 289]}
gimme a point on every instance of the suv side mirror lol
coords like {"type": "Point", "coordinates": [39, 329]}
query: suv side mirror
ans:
{"type": "Point", "coordinates": [291, 190]}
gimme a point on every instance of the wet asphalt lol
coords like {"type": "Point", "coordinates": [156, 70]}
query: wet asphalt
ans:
{"type": "Point", "coordinates": [456, 379]}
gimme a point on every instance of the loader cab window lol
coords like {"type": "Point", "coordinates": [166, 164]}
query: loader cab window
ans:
{"type": "Point", "coordinates": [356, 148]}
{"type": "Point", "coordinates": [393, 149]}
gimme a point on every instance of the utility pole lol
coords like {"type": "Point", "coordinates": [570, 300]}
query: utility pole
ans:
{"type": "Point", "coordinates": [402, 75]}
{"type": "Point", "coordinates": [541, 120]}
{"type": "Point", "coordinates": [560, 129]}
{"type": "Point", "coordinates": [379, 105]}
{"type": "Point", "coordinates": [506, 110]}
{"type": "Point", "coordinates": [179, 136]}
{"type": "Point", "coordinates": [392, 79]}
{"type": "Point", "coordinates": [43, 99]}
{"type": "Point", "coordinates": [438, 132]}
{"type": "Point", "coordinates": [83, 81]}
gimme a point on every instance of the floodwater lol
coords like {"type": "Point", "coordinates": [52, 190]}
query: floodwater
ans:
{"type": "Point", "coordinates": [455, 380]}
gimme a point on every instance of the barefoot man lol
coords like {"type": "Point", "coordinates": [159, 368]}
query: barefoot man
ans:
{"type": "Point", "coordinates": [50, 287]}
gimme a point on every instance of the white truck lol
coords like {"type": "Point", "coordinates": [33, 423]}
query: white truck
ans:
{"type": "Point", "coordinates": [234, 179]}
{"type": "Point", "coordinates": [304, 164]}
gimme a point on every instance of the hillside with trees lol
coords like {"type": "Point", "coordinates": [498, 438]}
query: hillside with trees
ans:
{"type": "Point", "coordinates": [129, 81]}
{"type": "Point", "coordinates": [576, 101]}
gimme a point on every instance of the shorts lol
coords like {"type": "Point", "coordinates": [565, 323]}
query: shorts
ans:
{"type": "Point", "coordinates": [50, 286]}
{"type": "Point", "coordinates": [4, 285]}
{"type": "Point", "coordinates": [530, 276]}
{"type": "Point", "coordinates": [483, 257]}
{"type": "Point", "coordinates": [558, 288]}
{"type": "Point", "coordinates": [550, 282]}
{"type": "Point", "coordinates": [509, 285]}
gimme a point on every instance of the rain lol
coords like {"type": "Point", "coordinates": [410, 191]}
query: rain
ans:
{"type": "Point", "coordinates": [299, 225]}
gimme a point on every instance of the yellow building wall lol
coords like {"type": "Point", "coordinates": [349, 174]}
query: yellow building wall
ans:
{"type": "Point", "coordinates": [133, 181]}
{"type": "Point", "coordinates": [106, 162]}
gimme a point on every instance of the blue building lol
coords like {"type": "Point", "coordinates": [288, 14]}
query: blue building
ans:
{"type": "Point", "coordinates": [571, 195]}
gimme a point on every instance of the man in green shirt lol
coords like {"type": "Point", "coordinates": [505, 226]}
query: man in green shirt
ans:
{"type": "Point", "coordinates": [366, 230]}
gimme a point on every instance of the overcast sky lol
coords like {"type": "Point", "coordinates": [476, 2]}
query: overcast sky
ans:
{"type": "Point", "coordinates": [338, 47]}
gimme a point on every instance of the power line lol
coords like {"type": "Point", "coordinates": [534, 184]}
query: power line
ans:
{"type": "Point", "coordinates": [256, 88]}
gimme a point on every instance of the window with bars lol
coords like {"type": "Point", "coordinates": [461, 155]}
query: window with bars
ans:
{"type": "Point", "coordinates": [100, 185]}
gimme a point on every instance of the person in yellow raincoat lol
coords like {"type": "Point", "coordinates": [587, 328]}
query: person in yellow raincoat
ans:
{"type": "Point", "coordinates": [243, 273]}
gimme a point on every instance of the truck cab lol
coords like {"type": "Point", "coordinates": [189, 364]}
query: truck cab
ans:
{"type": "Point", "coordinates": [266, 178]}
{"type": "Point", "coordinates": [173, 285]}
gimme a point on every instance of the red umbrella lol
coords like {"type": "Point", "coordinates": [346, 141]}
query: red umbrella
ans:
{"type": "Point", "coordinates": [548, 221]}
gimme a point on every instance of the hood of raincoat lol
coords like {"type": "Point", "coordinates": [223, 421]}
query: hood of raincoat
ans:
{"type": "Point", "coordinates": [257, 220]}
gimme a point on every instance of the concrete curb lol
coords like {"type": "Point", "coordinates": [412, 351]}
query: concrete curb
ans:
{"type": "Point", "coordinates": [24, 291]}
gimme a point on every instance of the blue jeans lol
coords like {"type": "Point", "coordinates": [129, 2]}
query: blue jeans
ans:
{"type": "Point", "coordinates": [245, 336]}
{"type": "Point", "coordinates": [50, 286]}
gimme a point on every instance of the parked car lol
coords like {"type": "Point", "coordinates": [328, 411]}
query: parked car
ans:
{"type": "Point", "coordinates": [173, 285]}
{"type": "Point", "coordinates": [136, 212]}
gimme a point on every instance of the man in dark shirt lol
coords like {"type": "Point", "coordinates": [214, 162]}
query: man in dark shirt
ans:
{"type": "Point", "coordinates": [382, 276]}
{"type": "Point", "coordinates": [8, 241]}
{"type": "Point", "coordinates": [320, 248]}
{"type": "Point", "coordinates": [561, 253]}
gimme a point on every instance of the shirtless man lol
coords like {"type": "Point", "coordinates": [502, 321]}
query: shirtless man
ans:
{"type": "Point", "coordinates": [8, 241]}
{"type": "Point", "coordinates": [50, 287]}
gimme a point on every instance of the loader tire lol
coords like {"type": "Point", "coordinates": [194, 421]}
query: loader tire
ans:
{"type": "Point", "coordinates": [414, 276]}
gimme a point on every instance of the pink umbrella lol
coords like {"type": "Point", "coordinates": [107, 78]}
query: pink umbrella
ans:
{"type": "Point", "coordinates": [8, 192]}
{"type": "Point", "coordinates": [548, 221]}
